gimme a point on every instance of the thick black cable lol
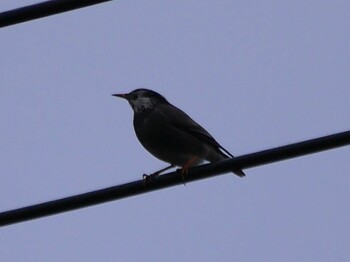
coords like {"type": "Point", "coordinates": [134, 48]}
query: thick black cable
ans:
{"type": "Point", "coordinates": [172, 179]}
{"type": "Point", "coordinates": [43, 9]}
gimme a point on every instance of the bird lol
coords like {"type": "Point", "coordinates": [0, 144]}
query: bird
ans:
{"type": "Point", "coordinates": [170, 135]}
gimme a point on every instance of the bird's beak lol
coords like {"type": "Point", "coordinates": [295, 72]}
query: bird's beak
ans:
{"type": "Point", "coordinates": [121, 95]}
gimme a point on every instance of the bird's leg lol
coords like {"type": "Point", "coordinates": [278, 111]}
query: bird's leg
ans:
{"type": "Point", "coordinates": [162, 170]}
{"type": "Point", "coordinates": [186, 166]}
{"type": "Point", "coordinates": [146, 178]}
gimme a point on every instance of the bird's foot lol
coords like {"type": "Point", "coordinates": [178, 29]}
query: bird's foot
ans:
{"type": "Point", "coordinates": [185, 168]}
{"type": "Point", "coordinates": [182, 172]}
{"type": "Point", "coordinates": [149, 178]}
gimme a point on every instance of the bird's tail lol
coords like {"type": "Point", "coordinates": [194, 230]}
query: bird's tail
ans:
{"type": "Point", "coordinates": [239, 173]}
{"type": "Point", "coordinates": [219, 156]}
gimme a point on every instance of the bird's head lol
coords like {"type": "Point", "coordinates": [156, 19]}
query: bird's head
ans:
{"type": "Point", "coordinates": [143, 99]}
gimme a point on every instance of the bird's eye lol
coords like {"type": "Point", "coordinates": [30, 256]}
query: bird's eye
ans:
{"type": "Point", "coordinates": [135, 97]}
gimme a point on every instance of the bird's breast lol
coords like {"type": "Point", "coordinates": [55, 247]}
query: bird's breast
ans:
{"type": "Point", "coordinates": [165, 141]}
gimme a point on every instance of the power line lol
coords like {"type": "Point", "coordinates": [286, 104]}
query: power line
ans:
{"type": "Point", "coordinates": [172, 179]}
{"type": "Point", "coordinates": [43, 9]}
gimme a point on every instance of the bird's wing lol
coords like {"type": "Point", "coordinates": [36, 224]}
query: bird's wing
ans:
{"type": "Point", "coordinates": [182, 121]}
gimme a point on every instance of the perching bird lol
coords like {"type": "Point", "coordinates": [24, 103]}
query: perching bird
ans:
{"type": "Point", "coordinates": [170, 134]}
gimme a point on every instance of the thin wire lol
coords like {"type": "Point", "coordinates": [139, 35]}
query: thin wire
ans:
{"type": "Point", "coordinates": [43, 9]}
{"type": "Point", "coordinates": [172, 179]}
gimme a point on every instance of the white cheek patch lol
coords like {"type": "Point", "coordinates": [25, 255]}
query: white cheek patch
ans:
{"type": "Point", "coordinates": [141, 104]}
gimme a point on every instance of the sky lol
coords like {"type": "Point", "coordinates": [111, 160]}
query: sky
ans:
{"type": "Point", "coordinates": [255, 74]}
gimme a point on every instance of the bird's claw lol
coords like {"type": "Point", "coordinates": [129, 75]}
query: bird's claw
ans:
{"type": "Point", "coordinates": [183, 174]}
{"type": "Point", "coordinates": [148, 178]}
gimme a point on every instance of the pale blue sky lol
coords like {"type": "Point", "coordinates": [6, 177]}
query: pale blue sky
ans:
{"type": "Point", "coordinates": [255, 74]}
